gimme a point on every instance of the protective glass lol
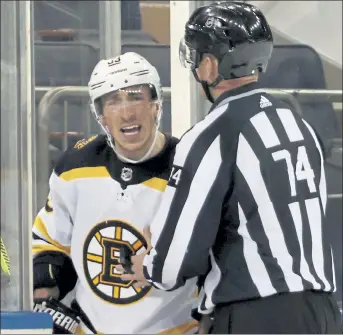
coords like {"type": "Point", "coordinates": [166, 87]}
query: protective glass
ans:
{"type": "Point", "coordinates": [187, 56]}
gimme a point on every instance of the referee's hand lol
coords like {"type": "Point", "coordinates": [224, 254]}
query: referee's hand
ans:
{"type": "Point", "coordinates": [137, 264]}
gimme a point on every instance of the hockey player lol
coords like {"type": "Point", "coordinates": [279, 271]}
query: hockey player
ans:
{"type": "Point", "coordinates": [245, 205]}
{"type": "Point", "coordinates": [103, 192]}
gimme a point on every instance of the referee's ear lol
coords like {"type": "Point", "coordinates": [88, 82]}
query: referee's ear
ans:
{"type": "Point", "coordinates": [208, 69]}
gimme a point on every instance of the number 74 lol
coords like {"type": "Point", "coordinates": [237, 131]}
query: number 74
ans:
{"type": "Point", "coordinates": [302, 171]}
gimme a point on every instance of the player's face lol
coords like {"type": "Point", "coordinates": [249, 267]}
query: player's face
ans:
{"type": "Point", "coordinates": [130, 116]}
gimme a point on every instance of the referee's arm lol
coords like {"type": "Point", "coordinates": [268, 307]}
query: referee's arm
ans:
{"type": "Point", "coordinates": [186, 224]}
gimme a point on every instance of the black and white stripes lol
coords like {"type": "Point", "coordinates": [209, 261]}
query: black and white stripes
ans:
{"type": "Point", "coordinates": [248, 208]}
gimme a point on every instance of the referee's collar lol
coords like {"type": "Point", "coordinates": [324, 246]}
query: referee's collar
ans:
{"type": "Point", "coordinates": [236, 91]}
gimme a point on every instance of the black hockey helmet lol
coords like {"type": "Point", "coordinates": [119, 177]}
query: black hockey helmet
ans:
{"type": "Point", "coordinates": [236, 33]}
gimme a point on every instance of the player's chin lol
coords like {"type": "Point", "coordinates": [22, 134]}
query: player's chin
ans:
{"type": "Point", "coordinates": [132, 148]}
{"type": "Point", "coordinates": [133, 144]}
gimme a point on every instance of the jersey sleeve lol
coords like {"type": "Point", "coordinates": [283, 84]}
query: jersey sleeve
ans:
{"type": "Point", "coordinates": [187, 221]}
{"type": "Point", "coordinates": [53, 226]}
{"type": "Point", "coordinates": [51, 239]}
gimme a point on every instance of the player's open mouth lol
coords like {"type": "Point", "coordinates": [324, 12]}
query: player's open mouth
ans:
{"type": "Point", "coordinates": [131, 130]}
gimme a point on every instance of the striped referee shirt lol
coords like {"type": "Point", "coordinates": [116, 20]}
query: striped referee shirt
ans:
{"type": "Point", "coordinates": [245, 205]}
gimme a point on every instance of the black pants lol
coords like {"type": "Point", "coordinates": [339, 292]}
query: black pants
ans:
{"type": "Point", "coordinates": [288, 313]}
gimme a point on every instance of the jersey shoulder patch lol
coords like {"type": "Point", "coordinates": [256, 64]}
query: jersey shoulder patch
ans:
{"type": "Point", "coordinates": [81, 143]}
{"type": "Point", "coordinates": [90, 152]}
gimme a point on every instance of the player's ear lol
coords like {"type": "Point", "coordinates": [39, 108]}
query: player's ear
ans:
{"type": "Point", "coordinates": [155, 110]}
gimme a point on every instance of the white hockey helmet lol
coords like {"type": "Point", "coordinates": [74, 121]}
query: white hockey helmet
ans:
{"type": "Point", "coordinates": [129, 69]}
{"type": "Point", "coordinates": [126, 70]}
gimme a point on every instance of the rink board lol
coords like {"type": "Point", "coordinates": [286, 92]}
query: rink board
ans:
{"type": "Point", "coordinates": [25, 323]}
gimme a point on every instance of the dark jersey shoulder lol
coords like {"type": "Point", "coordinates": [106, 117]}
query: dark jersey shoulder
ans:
{"type": "Point", "coordinates": [158, 166]}
{"type": "Point", "coordinates": [166, 154]}
{"type": "Point", "coordinates": [172, 142]}
{"type": "Point", "coordinates": [90, 152]}
{"type": "Point", "coordinates": [96, 152]}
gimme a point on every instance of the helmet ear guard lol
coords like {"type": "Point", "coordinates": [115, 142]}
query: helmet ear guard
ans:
{"type": "Point", "coordinates": [231, 66]}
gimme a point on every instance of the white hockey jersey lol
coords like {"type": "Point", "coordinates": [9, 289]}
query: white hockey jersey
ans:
{"type": "Point", "coordinates": [96, 206]}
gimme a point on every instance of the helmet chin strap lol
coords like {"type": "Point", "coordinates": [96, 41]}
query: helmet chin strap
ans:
{"type": "Point", "coordinates": [206, 86]}
{"type": "Point", "coordinates": [128, 160]}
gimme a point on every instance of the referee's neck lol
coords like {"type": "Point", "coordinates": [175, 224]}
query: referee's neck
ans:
{"type": "Point", "coordinates": [228, 85]}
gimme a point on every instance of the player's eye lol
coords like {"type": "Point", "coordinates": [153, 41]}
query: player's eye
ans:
{"type": "Point", "coordinates": [114, 100]}
{"type": "Point", "coordinates": [136, 97]}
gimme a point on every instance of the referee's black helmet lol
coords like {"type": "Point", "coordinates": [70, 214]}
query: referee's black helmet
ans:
{"type": "Point", "coordinates": [236, 33]}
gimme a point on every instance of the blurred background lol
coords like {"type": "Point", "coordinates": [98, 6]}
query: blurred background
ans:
{"type": "Point", "coordinates": [49, 48]}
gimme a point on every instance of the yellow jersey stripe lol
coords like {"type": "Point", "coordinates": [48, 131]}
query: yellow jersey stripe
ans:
{"type": "Point", "coordinates": [156, 183]}
{"type": "Point", "coordinates": [40, 226]}
{"type": "Point", "coordinates": [101, 172]}
{"type": "Point", "coordinates": [85, 172]}
{"type": "Point", "coordinates": [44, 247]}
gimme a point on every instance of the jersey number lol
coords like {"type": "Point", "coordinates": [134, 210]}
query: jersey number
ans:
{"type": "Point", "coordinates": [302, 170]}
{"type": "Point", "coordinates": [175, 176]}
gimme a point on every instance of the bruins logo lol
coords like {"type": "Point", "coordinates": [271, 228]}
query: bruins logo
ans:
{"type": "Point", "coordinates": [80, 144]}
{"type": "Point", "coordinates": [101, 254]}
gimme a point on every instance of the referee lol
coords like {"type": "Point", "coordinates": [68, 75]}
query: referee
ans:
{"type": "Point", "coordinates": [245, 206]}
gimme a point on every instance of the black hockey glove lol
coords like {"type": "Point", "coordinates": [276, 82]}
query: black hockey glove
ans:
{"type": "Point", "coordinates": [52, 269]}
{"type": "Point", "coordinates": [66, 320]}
